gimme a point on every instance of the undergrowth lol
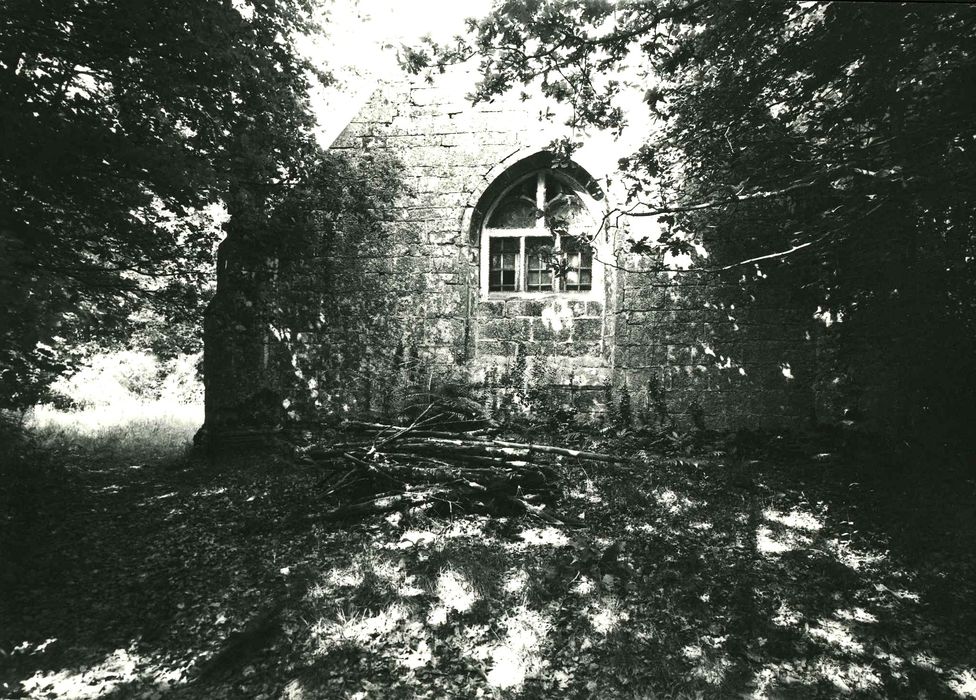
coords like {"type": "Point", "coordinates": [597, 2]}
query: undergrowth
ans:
{"type": "Point", "coordinates": [754, 565]}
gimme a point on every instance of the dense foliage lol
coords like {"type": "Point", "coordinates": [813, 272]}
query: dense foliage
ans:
{"type": "Point", "coordinates": [121, 123]}
{"type": "Point", "coordinates": [828, 143]}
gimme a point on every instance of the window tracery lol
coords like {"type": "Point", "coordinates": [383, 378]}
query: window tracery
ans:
{"type": "Point", "coordinates": [534, 238]}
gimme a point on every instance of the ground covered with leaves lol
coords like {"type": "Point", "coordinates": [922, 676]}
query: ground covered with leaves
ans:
{"type": "Point", "coordinates": [799, 572]}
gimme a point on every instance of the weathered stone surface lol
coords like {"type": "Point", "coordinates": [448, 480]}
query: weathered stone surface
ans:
{"type": "Point", "coordinates": [690, 342]}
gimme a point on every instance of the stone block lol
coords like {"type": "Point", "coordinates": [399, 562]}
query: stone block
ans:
{"type": "Point", "coordinates": [514, 307]}
{"type": "Point", "coordinates": [577, 308]}
{"type": "Point", "coordinates": [645, 335]}
{"type": "Point", "coordinates": [490, 309]}
{"type": "Point", "coordinates": [487, 346]}
{"type": "Point", "coordinates": [577, 348]}
{"type": "Point", "coordinates": [588, 370]}
{"type": "Point", "coordinates": [449, 236]}
{"type": "Point", "coordinates": [543, 330]}
{"type": "Point", "coordinates": [513, 329]}
{"type": "Point", "coordinates": [594, 308]}
{"type": "Point", "coordinates": [587, 329]}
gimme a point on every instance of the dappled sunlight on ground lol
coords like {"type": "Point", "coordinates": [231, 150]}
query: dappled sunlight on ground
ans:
{"type": "Point", "coordinates": [680, 582]}
{"type": "Point", "coordinates": [796, 519]}
{"type": "Point", "coordinates": [519, 653]}
{"type": "Point", "coordinates": [770, 542]}
{"type": "Point", "coordinates": [709, 663]}
{"type": "Point", "coordinates": [606, 614]}
{"type": "Point", "coordinates": [117, 670]}
{"type": "Point", "coordinates": [543, 537]}
{"type": "Point", "coordinates": [671, 501]}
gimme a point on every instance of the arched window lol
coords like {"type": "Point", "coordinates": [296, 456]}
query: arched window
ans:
{"type": "Point", "coordinates": [534, 239]}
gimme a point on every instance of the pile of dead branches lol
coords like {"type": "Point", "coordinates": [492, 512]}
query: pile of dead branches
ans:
{"type": "Point", "coordinates": [378, 468]}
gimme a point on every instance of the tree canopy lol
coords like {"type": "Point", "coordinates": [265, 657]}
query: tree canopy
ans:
{"type": "Point", "coordinates": [830, 141]}
{"type": "Point", "coordinates": [121, 123]}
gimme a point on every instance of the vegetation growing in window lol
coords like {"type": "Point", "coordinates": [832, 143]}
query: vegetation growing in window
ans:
{"type": "Point", "coordinates": [538, 238]}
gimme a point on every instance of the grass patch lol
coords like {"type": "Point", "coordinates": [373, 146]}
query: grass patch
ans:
{"type": "Point", "coordinates": [129, 433]}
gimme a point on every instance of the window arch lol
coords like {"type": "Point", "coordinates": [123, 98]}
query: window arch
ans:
{"type": "Point", "coordinates": [535, 239]}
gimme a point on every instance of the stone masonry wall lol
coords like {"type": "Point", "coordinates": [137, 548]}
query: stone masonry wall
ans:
{"type": "Point", "coordinates": [449, 153]}
{"type": "Point", "coordinates": [686, 347]}
{"type": "Point", "coordinates": [691, 340]}
{"type": "Point", "coordinates": [387, 299]}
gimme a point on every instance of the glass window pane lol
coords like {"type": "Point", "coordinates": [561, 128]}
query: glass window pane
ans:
{"type": "Point", "coordinates": [514, 211]}
{"type": "Point", "coordinates": [538, 264]}
{"type": "Point", "coordinates": [502, 258]}
{"type": "Point", "coordinates": [578, 259]}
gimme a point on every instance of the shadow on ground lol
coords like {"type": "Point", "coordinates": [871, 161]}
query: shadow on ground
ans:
{"type": "Point", "coordinates": [781, 578]}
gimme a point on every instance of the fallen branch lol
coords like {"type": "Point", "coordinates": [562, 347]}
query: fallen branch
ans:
{"type": "Point", "coordinates": [407, 467]}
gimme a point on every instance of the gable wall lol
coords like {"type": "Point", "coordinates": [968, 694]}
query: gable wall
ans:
{"type": "Point", "coordinates": [672, 339]}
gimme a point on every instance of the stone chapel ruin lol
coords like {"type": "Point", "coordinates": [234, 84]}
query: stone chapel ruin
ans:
{"type": "Point", "coordinates": [497, 249]}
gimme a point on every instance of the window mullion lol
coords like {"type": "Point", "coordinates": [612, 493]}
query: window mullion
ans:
{"type": "Point", "coordinates": [557, 254]}
{"type": "Point", "coordinates": [540, 201]}
{"type": "Point", "coordinates": [520, 274]}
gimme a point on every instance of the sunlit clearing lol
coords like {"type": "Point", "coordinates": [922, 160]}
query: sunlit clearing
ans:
{"type": "Point", "coordinates": [519, 655]}
{"type": "Point", "coordinates": [350, 577]}
{"type": "Point", "coordinates": [416, 538]}
{"type": "Point", "coordinates": [846, 678]}
{"type": "Point", "coordinates": [472, 527]}
{"type": "Point", "coordinates": [409, 588]}
{"type": "Point", "coordinates": [156, 420]}
{"type": "Point", "coordinates": [927, 661]}
{"type": "Point", "coordinates": [354, 575]}
{"type": "Point", "coordinates": [454, 591]}
{"type": "Point", "coordinates": [418, 657]}
{"type": "Point", "coordinates": [544, 537]}
{"type": "Point", "coordinates": [588, 493]}
{"type": "Point", "coordinates": [797, 519]}
{"type": "Point", "coordinates": [118, 668]}
{"type": "Point", "coordinates": [606, 614]}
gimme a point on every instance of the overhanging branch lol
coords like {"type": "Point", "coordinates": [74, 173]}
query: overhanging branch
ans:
{"type": "Point", "coordinates": [748, 261]}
